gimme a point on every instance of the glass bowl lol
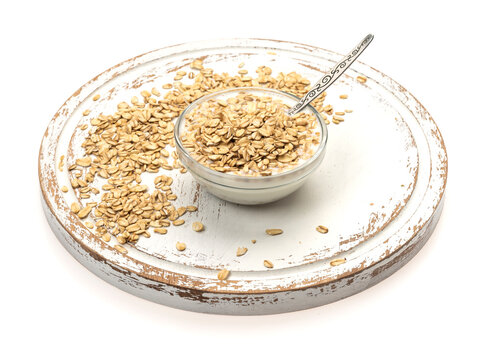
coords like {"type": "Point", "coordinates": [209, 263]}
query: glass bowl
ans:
{"type": "Point", "coordinates": [251, 190]}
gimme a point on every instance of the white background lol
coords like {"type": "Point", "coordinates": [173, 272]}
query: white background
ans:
{"type": "Point", "coordinates": [52, 307]}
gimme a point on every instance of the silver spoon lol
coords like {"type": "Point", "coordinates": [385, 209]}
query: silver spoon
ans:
{"type": "Point", "coordinates": [328, 79]}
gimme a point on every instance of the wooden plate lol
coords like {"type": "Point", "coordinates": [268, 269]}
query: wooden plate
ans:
{"type": "Point", "coordinates": [379, 191]}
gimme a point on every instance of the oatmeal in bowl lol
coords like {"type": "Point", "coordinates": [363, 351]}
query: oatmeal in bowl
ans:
{"type": "Point", "coordinates": [241, 144]}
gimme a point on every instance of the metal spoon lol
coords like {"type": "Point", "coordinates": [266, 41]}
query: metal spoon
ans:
{"type": "Point", "coordinates": [332, 76]}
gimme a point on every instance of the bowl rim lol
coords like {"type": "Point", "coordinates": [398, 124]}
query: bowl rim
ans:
{"type": "Point", "coordinates": [252, 179]}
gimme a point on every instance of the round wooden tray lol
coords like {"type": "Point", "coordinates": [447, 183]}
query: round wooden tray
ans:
{"type": "Point", "coordinates": [379, 191]}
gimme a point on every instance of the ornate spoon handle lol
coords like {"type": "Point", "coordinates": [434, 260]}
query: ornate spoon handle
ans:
{"type": "Point", "coordinates": [331, 77]}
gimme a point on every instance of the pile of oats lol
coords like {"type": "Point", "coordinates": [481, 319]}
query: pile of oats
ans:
{"type": "Point", "coordinates": [249, 135]}
{"type": "Point", "coordinates": [139, 138]}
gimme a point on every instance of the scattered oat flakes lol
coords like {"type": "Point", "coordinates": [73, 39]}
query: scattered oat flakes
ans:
{"type": "Point", "coordinates": [197, 64]}
{"type": "Point", "coordinates": [86, 112]}
{"type": "Point", "coordinates": [344, 96]}
{"type": "Point", "coordinates": [328, 109]}
{"type": "Point", "coordinates": [274, 232]}
{"type": "Point", "coordinates": [155, 92]}
{"type": "Point", "coordinates": [197, 226]}
{"type": "Point", "coordinates": [181, 246]}
{"type": "Point", "coordinates": [89, 224]}
{"type": "Point", "coordinates": [134, 139]}
{"type": "Point", "coordinates": [96, 97]}
{"type": "Point", "coordinates": [106, 237]}
{"type": "Point", "coordinates": [322, 229]}
{"type": "Point", "coordinates": [64, 189]}
{"type": "Point", "coordinates": [337, 262]}
{"type": "Point", "coordinates": [61, 163]}
{"type": "Point", "coordinates": [361, 79]}
{"type": "Point", "coordinates": [178, 222]}
{"type": "Point", "coordinates": [84, 212]}
{"type": "Point", "coordinates": [75, 207]}
{"type": "Point", "coordinates": [241, 251]}
{"type": "Point", "coordinates": [253, 241]}
{"type": "Point", "coordinates": [85, 162]}
{"type": "Point", "coordinates": [160, 231]}
{"type": "Point", "coordinates": [268, 264]}
{"type": "Point", "coordinates": [223, 274]}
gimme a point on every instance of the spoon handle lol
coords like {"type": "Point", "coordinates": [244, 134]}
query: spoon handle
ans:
{"type": "Point", "coordinates": [332, 76]}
